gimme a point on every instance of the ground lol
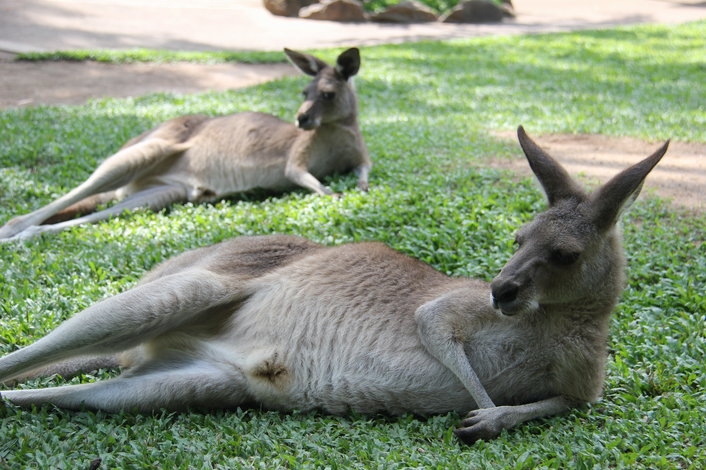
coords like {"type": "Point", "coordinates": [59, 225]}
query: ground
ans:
{"type": "Point", "coordinates": [34, 83]}
{"type": "Point", "coordinates": [681, 176]}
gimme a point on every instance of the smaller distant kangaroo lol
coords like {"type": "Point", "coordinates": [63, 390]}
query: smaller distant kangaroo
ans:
{"type": "Point", "coordinates": [284, 323]}
{"type": "Point", "coordinates": [200, 158]}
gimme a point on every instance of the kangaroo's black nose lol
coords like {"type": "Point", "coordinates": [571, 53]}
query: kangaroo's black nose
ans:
{"type": "Point", "coordinates": [505, 292]}
{"type": "Point", "coordinates": [303, 120]}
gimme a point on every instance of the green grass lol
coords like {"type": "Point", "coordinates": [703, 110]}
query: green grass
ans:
{"type": "Point", "coordinates": [125, 56]}
{"type": "Point", "coordinates": [427, 110]}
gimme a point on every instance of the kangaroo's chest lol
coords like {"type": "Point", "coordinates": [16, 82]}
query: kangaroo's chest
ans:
{"type": "Point", "coordinates": [522, 366]}
{"type": "Point", "coordinates": [337, 153]}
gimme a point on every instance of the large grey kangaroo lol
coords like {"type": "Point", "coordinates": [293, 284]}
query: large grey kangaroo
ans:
{"type": "Point", "coordinates": [284, 323]}
{"type": "Point", "coordinates": [200, 158]}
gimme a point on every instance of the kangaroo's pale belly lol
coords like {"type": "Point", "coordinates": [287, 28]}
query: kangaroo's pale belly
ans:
{"type": "Point", "coordinates": [296, 354]}
{"type": "Point", "coordinates": [232, 154]}
{"type": "Point", "coordinates": [223, 175]}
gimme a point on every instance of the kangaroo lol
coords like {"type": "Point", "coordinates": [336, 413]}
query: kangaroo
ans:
{"type": "Point", "coordinates": [199, 158]}
{"type": "Point", "coordinates": [285, 323]}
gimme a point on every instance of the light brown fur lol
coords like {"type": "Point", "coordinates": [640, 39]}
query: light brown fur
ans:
{"type": "Point", "coordinates": [285, 323]}
{"type": "Point", "coordinates": [199, 158]}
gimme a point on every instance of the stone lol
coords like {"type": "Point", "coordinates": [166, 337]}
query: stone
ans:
{"type": "Point", "coordinates": [286, 7]}
{"type": "Point", "coordinates": [474, 11]}
{"type": "Point", "coordinates": [508, 8]}
{"type": "Point", "coordinates": [406, 12]}
{"type": "Point", "coordinates": [334, 10]}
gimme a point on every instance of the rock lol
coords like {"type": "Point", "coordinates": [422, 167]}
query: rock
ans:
{"type": "Point", "coordinates": [508, 9]}
{"type": "Point", "coordinates": [286, 7]}
{"type": "Point", "coordinates": [334, 10]}
{"type": "Point", "coordinates": [406, 12]}
{"type": "Point", "coordinates": [474, 11]}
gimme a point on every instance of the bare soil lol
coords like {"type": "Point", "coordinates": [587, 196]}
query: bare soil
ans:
{"type": "Point", "coordinates": [681, 176]}
{"type": "Point", "coordinates": [35, 83]}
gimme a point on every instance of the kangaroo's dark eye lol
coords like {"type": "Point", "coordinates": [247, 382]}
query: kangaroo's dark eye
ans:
{"type": "Point", "coordinates": [328, 95]}
{"type": "Point", "coordinates": [304, 93]}
{"type": "Point", "coordinates": [563, 258]}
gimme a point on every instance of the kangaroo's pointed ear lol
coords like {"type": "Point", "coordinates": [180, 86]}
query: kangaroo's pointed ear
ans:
{"type": "Point", "coordinates": [348, 63]}
{"type": "Point", "coordinates": [552, 176]}
{"type": "Point", "coordinates": [307, 63]}
{"type": "Point", "coordinates": [610, 200]}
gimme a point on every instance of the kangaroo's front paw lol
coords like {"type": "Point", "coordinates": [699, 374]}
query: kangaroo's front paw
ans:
{"type": "Point", "coordinates": [363, 186]}
{"type": "Point", "coordinates": [325, 191]}
{"type": "Point", "coordinates": [484, 424]}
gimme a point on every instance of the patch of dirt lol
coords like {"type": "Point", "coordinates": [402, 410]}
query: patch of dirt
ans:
{"type": "Point", "coordinates": [34, 83]}
{"type": "Point", "coordinates": [680, 176]}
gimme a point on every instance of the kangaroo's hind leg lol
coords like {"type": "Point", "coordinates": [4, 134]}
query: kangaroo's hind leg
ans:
{"type": "Point", "coordinates": [82, 207]}
{"type": "Point", "coordinates": [173, 384]}
{"type": "Point", "coordinates": [193, 296]}
{"type": "Point", "coordinates": [69, 368]}
{"type": "Point", "coordinates": [155, 198]}
{"type": "Point", "coordinates": [116, 171]}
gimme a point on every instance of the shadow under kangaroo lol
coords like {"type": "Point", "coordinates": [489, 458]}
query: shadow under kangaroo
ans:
{"type": "Point", "coordinates": [285, 323]}
{"type": "Point", "coordinates": [199, 158]}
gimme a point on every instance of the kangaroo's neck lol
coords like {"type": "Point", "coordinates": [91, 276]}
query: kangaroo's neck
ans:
{"type": "Point", "coordinates": [587, 316]}
{"type": "Point", "coordinates": [598, 298]}
{"type": "Point", "coordinates": [350, 121]}
{"type": "Point", "coordinates": [590, 316]}
{"type": "Point", "coordinates": [345, 128]}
